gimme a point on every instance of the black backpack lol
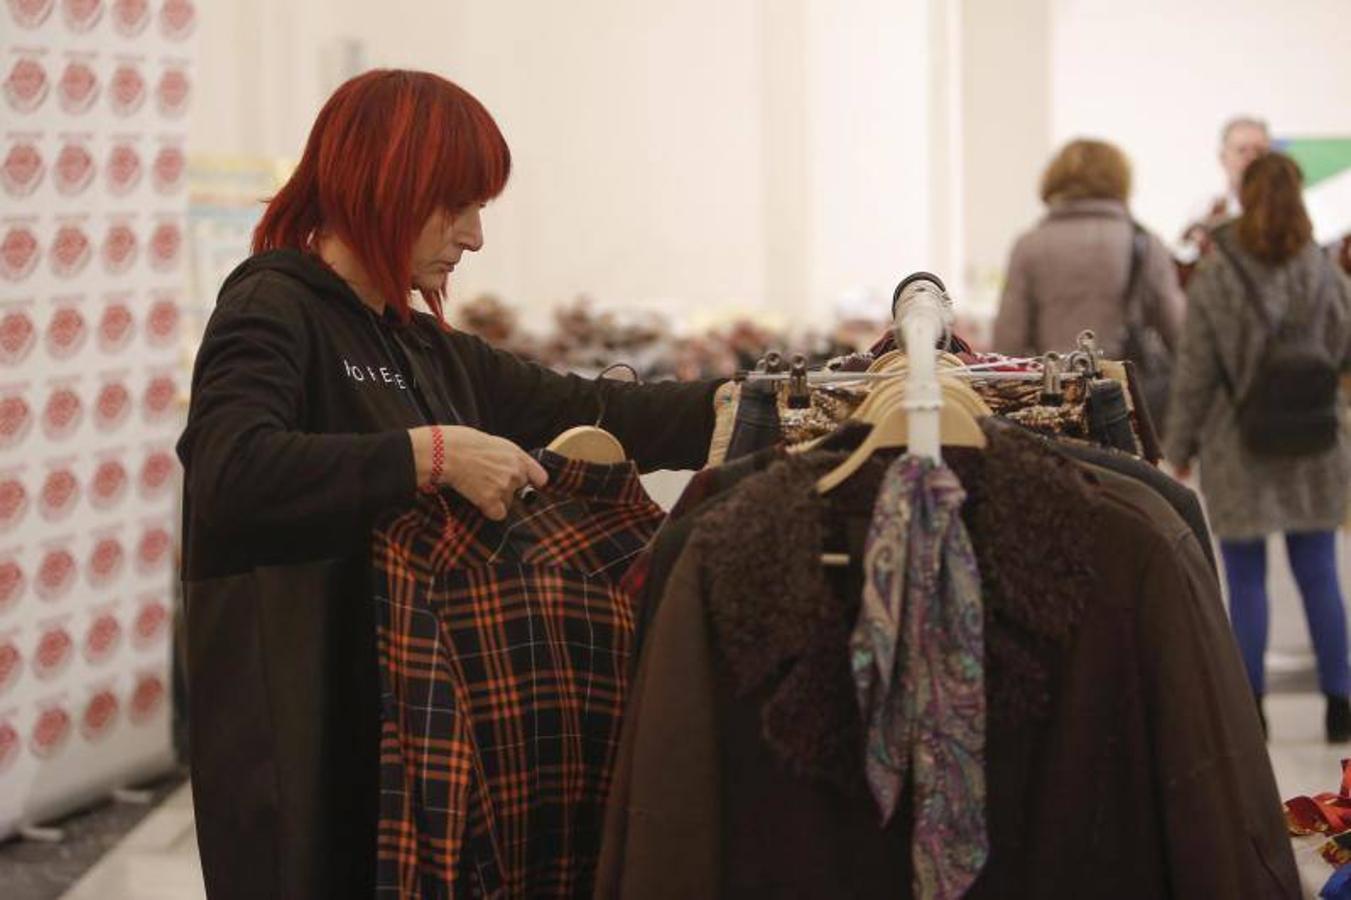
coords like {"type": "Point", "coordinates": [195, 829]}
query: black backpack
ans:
{"type": "Point", "coordinates": [1291, 408]}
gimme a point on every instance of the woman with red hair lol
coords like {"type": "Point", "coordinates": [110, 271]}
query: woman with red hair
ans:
{"type": "Point", "coordinates": [320, 399]}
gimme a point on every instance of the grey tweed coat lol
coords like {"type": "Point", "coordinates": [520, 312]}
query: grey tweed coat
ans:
{"type": "Point", "coordinates": [1246, 496]}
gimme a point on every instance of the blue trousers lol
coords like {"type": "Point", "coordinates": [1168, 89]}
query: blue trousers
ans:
{"type": "Point", "coordinates": [1313, 556]}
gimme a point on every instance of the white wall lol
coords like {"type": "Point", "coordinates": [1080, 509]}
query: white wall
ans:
{"type": "Point", "coordinates": [765, 154]}
{"type": "Point", "coordinates": [1160, 77]}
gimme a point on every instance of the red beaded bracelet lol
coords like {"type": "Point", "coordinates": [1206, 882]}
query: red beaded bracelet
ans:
{"type": "Point", "coordinates": [438, 459]}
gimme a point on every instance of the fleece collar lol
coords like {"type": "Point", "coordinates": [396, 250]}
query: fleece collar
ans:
{"type": "Point", "coordinates": [779, 627]}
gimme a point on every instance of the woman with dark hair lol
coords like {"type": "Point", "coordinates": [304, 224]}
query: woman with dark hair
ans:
{"type": "Point", "coordinates": [321, 399]}
{"type": "Point", "coordinates": [1267, 257]}
{"type": "Point", "coordinates": [1070, 272]}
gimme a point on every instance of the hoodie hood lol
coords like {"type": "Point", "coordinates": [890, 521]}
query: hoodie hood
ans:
{"type": "Point", "coordinates": [305, 268]}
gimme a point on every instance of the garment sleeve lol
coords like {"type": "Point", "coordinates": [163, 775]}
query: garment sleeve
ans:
{"type": "Point", "coordinates": [1196, 376]}
{"type": "Point", "coordinates": [663, 816]}
{"type": "Point", "coordinates": [1013, 324]}
{"type": "Point", "coordinates": [1169, 307]}
{"type": "Point", "coordinates": [1223, 829]}
{"type": "Point", "coordinates": [246, 457]}
{"type": "Point", "coordinates": [666, 425]}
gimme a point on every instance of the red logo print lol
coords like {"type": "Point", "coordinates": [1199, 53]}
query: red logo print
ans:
{"type": "Point", "coordinates": [12, 584]}
{"type": "Point", "coordinates": [60, 493]}
{"type": "Point", "coordinates": [165, 244]}
{"type": "Point", "coordinates": [172, 92]}
{"type": "Point", "coordinates": [26, 85]}
{"type": "Point", "coordinates": [177, 18]}
{"type": "Point", "coordinates": [17, 336]}
{"type": "Point", "coordinates": [124, 169]}
{"type": "Point", "coordinates": [156, 472]}
{"type": "Point", "coordinates": [105, 562]}
{"type": "Point", "coordinates": [18, 253]}
{"type": "Point", "coordinates": [119, 249]}
{"type": "Point", "coordinates": [169, 167]}
{"type": "Point", "coordinates": [147, 699]}
{"type": "Point", "coordinates": [130, 16]}
{"type": "Point", "coordinates": [74, 169]}
{"type": "Point", "coordinates": [30, 13]}
{"type": "Point", "coordinates": [113, 405]}
{"type": "Point", "coordinates": [50, 733]}
{"type": "Point", "coordinates": [81, 15]}
{"type": "Point", "coordinates": [159, 397]}
{"type": "Point", "coordinates": [62, 415]}
{"type": "Point", "coordinates": [71, 250]}
{"type": "Point", "coordinates": [127, 90]}
{"type": "Point", "coordinates": [163, 321]}
{"type": "Point", "coordinates": [16, 418]}
{"type": "Point", "coordinates": [56, 574]}
{"type": "Point", "coordinates": [13, 503]}
{"type": "Point", "coordinates": [11, 663]}
{"type": "Point", "coordinates": [104, 635]}
{"type": "Point", "coordinates": [151, 625]}
{"type": "Point", "coordinates": [110, 484]}
{"type": "Point", "coordinates": [116, 326]}
{"type": "Point", "coordinates": [22, 170]}
{"type": "Point", "coordinates": [100, 715]}
{"type": "Point", "coordinates": [153, 551]}
{"type": "Point", "coordinates": [78, 87]}
{"type": "Point", "coordinates": [53, 653]}
{"type": "Point", "coordinates": [65, 333]}
{"type": "Point", "coordinates": [9, 746]}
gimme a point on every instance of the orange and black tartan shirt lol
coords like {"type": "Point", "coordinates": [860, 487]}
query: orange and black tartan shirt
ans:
{"type": "Point", "coordinates": [504, 656]}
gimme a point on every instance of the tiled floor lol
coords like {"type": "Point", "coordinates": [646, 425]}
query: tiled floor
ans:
{"type": "Point", "coordinates": [156, 861]}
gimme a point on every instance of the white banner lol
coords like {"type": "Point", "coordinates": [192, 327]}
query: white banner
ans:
{"type": "Point", "coordinates": [92, 273]}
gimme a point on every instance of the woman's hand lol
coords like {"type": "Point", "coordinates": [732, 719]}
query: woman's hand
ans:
{"type": "Point", "coordinates": [485, 470]}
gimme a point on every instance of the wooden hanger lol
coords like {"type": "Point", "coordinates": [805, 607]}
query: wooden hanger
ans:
{"type": "Point", "coordinates": [588, 443]}
{"type": "Point", "coordinates": [591, 443]}
{"type": "Point", "coordinates": [891, 428]}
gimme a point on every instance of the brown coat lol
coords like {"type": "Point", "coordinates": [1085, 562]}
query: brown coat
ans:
{"type": "Point", "coordinates": [1069, 273]}
{"type": "Point", "coordinates": [1125, 758]}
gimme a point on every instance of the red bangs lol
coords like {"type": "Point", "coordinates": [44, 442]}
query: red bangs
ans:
{"type": "Point", "coordinates": [389, 148]}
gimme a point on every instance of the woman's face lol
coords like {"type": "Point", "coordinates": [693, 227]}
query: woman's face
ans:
{"type": "Point", "coordinates": [444, 238]}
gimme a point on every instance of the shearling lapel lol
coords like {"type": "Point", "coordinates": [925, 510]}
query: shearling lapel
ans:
{"type": "Point", "coordinates": [779, 627]}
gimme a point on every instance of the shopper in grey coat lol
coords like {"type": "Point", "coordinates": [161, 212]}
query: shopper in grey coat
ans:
{"type": "Point", "coordinates": [1069, 273]}
{"type": "Point", "coordinates": [1249, 496]}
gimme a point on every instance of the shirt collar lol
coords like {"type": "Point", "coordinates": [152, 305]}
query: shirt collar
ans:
{"type": "Point", "coordinates": [617, 483]}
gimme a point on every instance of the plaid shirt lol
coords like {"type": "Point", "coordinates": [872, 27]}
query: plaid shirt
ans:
{"type": "Point", "coordinates": [504, 665]}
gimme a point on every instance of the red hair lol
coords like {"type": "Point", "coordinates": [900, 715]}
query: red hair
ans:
{"type": "Point", "coordinates": [390, 148]}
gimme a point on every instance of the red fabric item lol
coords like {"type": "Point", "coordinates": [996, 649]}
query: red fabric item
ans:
{"type": "Point", "coordinates": [1322, 813]}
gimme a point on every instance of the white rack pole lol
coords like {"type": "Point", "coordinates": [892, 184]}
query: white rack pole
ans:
{"type": "Point", "coordinates": [921, 317]}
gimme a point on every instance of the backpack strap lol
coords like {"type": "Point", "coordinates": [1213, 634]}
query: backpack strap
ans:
{"type": "Point", "coordinates": [1249, 287]}
{"type": "Point", "coordinates": [1131, 302]}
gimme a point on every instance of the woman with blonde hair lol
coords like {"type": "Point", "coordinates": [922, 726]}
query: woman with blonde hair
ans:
{"type": "Point", "coordinates": [1070, 272]}
{"type": "Point", "coordinates": [1270, 298]}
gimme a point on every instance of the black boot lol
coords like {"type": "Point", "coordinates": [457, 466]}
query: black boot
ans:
{"type": "Point", "coordinates": [1338, 720]}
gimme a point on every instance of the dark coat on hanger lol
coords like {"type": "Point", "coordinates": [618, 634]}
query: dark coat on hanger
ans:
{"type": "Point", "coordinates": [296, 441]}
{"type": "Point", "coordinates": [1124, 760]}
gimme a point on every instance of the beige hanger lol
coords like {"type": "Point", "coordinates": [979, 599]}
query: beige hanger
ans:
{"type": "Point", "coordinates": [891, 428]}
{"type": "Point", "coordinates": [589, 443]}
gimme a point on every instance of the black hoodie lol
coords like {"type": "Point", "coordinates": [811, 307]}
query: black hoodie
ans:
{"type": "Point", "coordinates": [296, 441]}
